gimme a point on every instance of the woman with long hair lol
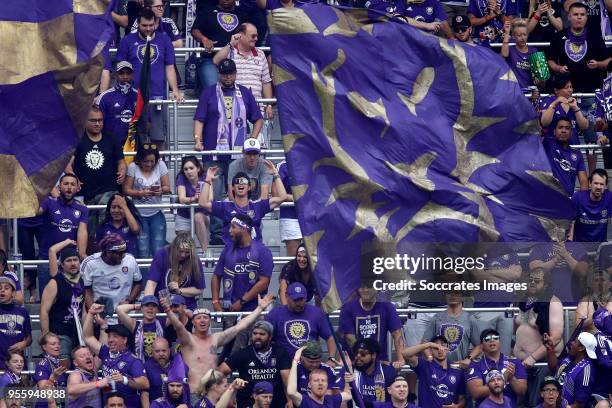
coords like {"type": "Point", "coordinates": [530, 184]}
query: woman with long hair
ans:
{"type": "Point", "coordinates": [298, 270]}
{"type": "Point", "coordinates": [14, 366]}
{"type": "Point", "coordinates": [212, 385]}
{"type": "Point", "coordinates": [189, 185]}
{"type": "Point", "coordinates": [147, 180]}
{"type": "Point", "coordinates": [121, 217]}
{"type": "Point", "coordinates": [176, 267]}
{"type": "Point", "coordinates": [562, 104]}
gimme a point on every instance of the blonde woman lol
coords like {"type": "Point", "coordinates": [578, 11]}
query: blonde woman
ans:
{"type": "Point", "coordinates": [517, 55]}
{"type": "Point", "coordinates": [212, 386]}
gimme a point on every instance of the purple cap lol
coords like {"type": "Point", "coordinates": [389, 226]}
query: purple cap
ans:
{"type": "Point", "coordinates": [296, 291]}
{"type": "Point", "coordinates": [148, 299]}
{"type": "Point", "coordinates": [263, 387]}
{"type": "Point", "coordinates": [177, 300]}
{"type": "Point", "coordinates": [599, 317]}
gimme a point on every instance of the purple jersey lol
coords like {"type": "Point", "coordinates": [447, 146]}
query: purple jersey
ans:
{"type": "Point", "coordinates": [226, 210]}
{"type": "Point", "coordinates": [438, 386]}
{"type": "Point", "coordinates": [129, 366]}
{"type": "Point", "coordinates": [334, 382]}
{"type": "Point", "coordinates": [559, 113]}
{"type": "Point", "coordinates": [478, 371]}
{"type": "Point", "coordinates": [160, 272]}
{"type": "Point", "coordinates": [591, 222]}
{"type": "Point", "coordinates": [8, 378]}
{"type": "Point", "coordinates": [566, 163]}
{"type": "Point", "coordinates": [384, 6]}
{"type": "Point", "coordinates": [43, 371]}
{"type": "Point", "coordinates": [490, 298]}
{"type": "Point", "coordinates": [329, 401]}
{"type": "Point", "coordinates": [132, 49]}
{"type": "Point", "coordinates": [239, 268]}
{"type": "Point", "coordinates": [373, 387]}
{"type": "Point", "coordinates": [519, 64]}
{"type": "Point", "coordinates": [124, 231]}
{"type": "Point", "coordinates": [603, 364]}
{"type": "Point", "coordinates": [91, 398]}
{"type": "Point", "coordinates": [562, 275]}
{"type": "Point", "coordinates": [118, 109]}
{"type": "Point", "coordinates": [283, 173]}
{"type": "Point", "coordinates": [492, 30]}
{"type": "Point", "coordinates": [374, 323]}
{"type": "Point", "coordinates": [61, 222]}
{"type": "Point", "coordinates": [15, 326]}
{"type": "Point", "coordinates": [190, 191]}
{"type": "Point", "coordinates": [389, 404]}
{"type": "Point", "coordinates": [427, 11]}
{"type": "Point", "coordinates": [489, 403]}
{"type": "Point", "coordinates": [204, 403]}
{"type": "Point", "coordinates": [576, 379]}
{"type": "Point", "coordinates": [292, 330]}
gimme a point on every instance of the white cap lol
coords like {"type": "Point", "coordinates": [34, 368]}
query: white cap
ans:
{"type": "Point", "coordinates": [251, 145]}
{"type": "Point", "coordinates": [124, 64]}
{"type": "Point", "coordinates": [589, 342]}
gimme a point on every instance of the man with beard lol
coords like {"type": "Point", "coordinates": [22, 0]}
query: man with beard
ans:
{"type": "Point", "coordinates": [62, 298]}
{"type": "Point", "coordinates": [199, 349]}
{"type": "Point", "coordinates": [549, 392]}
{"type": "Point", "coordinates": [440, 385]}
{"type": "Point", "coordinates": [83, 384]}
{"type": "Point", "coordinates": [176, 393]}
{"type": "Point", "coordinates": [317, 395]}
{"type": "Point", "coordinates": [157, 369]}
{"type": "Point", "coordinates": [112, 273]}
{"type": "Point", "coordinates": [311, 360]}
{"type": "Point", "coordinates": [118, 363]}
{"type": "Point", "coordinates": [372, 377]}
{"type": "Point", "coordinates": [117, 104]}
{"type": "Point", "coordinates": [15, 325]}
{"type": "Point", "coordinates": [398, 391]}
{"type": "Point", "coordinates": [146, 330]}
{"type": "Point", "coordinates": [495, 384]}
{"type": "Point", "coordinates": [63, 218]}
{"type": "Point", "coordinates": [515, 377]}
{"type": "Point", "coordinates": [260, 361]}
{"type": "Point", "coordinates": [593, 207]}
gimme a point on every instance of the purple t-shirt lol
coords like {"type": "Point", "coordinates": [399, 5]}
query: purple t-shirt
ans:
{"type": "Point", "coordinates": [562, 275]}
{"type": "Point", "coordinates": [31, 222]}
{"type": "Point", "coordinates": [132, 48]}
{"type": "Point", "coordinates": [208, 113]}
{"type": "Point", "coordinates": [373, 387]}
{"type": "Point", "coordinates": [576, 379]}
{"type": "Point", "coordinates": [603, 364]}
{"type": "Point", "coordinates": [226, 210]}
{"type": "Point", "coordinates": [329, 401]}
{"type": "Point", "coordinates": [520, 65]}
{"type": "Point", "coordinates": [5, 380]}
{"type": "Point", "coordinates": [160, 272]}
{"type": "Point", "coordinates": [240, 268]}
{"type": "Point", "coordinates": [389, 404]}
{"type": "Point", "coordinates": [61, 222]}
{"type": "Point", "coordinates": [545, 102]}
{"type": "Point", "coordinates": [128, 365]}
{"type": "Point", "coordinates": [427, 11]}
{"type": "Point", "coordinates": [15, 326]}
{"type": "Point", "coordinates": [438, 386]}
{"type": "Point", "coordinates": [43, 371]}
{"type": "Point", "coordinates": [334, 382]}
{"type": "Point", "coordinates": [283, 172]}
{"type": "Point", "coordinates": [385, 6]}
{"type": "Point", "coordinates": [479, 370]}
{"type": "Point", "coordinates": [566, 163]}
{"type": "Point", "coordinates": [592, 217]}
{"type": "Point", "coordinates": [124, 231]}
{"type": "Point", "coordinates": [190, 191]}
{"type": "Point", "coordinates": [374, 323]}
{"type": "Point", "coordinates": [488, 403]}
{"type": "Point", "coordinates": [292, 330]}
{"type": "Point", "coordinates": [118, 109]}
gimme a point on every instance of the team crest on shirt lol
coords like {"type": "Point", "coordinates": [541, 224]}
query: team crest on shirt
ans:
{"type": "Point", "coordinates": [452, 379]}
{"type": "Point", "coordinates": [140, 52]}
{"type": "Point", "coordinates": [227, 21]}
{"type": "Point", "coordinates": [429, 10]}
{"type": "Point", "coordinates": [124, 269]}
{"type": "Point", "coordinates": [453, 334]}
{"type": "Point", "coordinates": [94, 159]}
{"type": "Point", "coordinates": [227, 284]}
{"type": "Point", "coordinates": [252, 276]}
{"type": "Point", "coordinates": [574, 157]}
{"type": "Point", "coordinates": [77, 213]}
{"type": "Point", "coordinates": [121, 364]}
{"type": "Point", "coordinates": [297, 332]}
{"type": "Point", "coordinates": [125, 230]}
{"type": "Point", "coordinates": [251, 213]}
{"type": "Point", "coordinates": [604, 213]}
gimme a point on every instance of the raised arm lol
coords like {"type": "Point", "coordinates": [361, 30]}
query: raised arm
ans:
{"type": "Point", "coordinates": [88, 330]}
{"type": "Point", "coordinates": [205, 200]}
{"type": "Point", "coordinates": [181, 332]}
{"type": "Point", "coordinates": [82, 240]}
{"type": "Point", "coordinates": [229, 394]}
{"type": "Point", "coordinates": [46, 301]}
{"type": "Point", "coordinates": [410, 354]}
{"type": "Point", "coordinates": [292, 390]}
{"type": "Point", "coordinates": [227, 335]}
{"type": "Point", "coordinates": [53, 251]}
{"type": "Point", "coordinates": [124, 318]}
{"type": "Point", "coordinates": [129, 217]}
{"type": "Point", "coordinates": [278, 186]}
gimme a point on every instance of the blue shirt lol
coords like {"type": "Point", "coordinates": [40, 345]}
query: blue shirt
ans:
{"type": "Point", "coordinates": [479, 370]}
{"type": "Point", "coordinates": [592, 217]}
{"type": "Point", "coordinates": [118, 109]}
{"type": "Point", "coordinates": [566, 163]}
{"type": "Point", "coordinates": [373, 387]}
{"type": "Point", "coordinates": [61, 222]}
{"type": "Point", "coordinates": [129, 366]}
{"type": "Point", "coordinates": [576, 379]}
{"type": "Point", "coordinates": [226, 210]}
{"type": "Point", "coordinates": [427, 11]}
{"type": "Point", "coordinates": [438, 386]}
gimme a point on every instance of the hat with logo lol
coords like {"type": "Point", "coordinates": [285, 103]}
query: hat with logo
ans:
{"type": "Point", "coordinates": [461, 21]}
{"type": "Point", "coordinates": [122, 65]}
{"type": "Point", "coordinates": [227, 66]}
{"type": "Point", "coordinates": [296, 291]}
{"type": "Point", "coordinates": [113, 242]}
{"type": "Point", "coordinates": [550, 380]}
{"type": "Point", "coordinates": [589, 342]}
{"type": "Point", "coordinates": [9, 280]}
{"type": "Point", "coordinates": [251, 145]}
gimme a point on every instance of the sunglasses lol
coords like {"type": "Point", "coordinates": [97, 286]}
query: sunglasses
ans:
{"type": "Point", "coordinates": [462, 29]}
{"type": "Point", "coordinates": [536, 281]}
{"type": "Point", "coordinates": [241, 181]}
{"type": "Point", "coordinates": [491, 337]}
{"type": "Point", "coordinates": [148, 146]}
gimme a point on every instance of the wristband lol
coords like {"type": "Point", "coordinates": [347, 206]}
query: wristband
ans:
{"type": "Point", "coordinates": [215, 302]}
{"type": "Point", "coordinates": [536, 17]}
{"type": "Point", "coordinates": [97, 384]}
{"type": "Point", "coordinates": [125, 380]}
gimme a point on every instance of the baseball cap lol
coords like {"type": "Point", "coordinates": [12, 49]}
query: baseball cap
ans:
{"type": "Point", "coordinates": [68, 252]}
{"type": "Point", "coordinates": [119, 329]}
{"type": "Point", "coordinates": [493, 374]}
{"type": "Point", "coordinates": [124, 64]}
{"type": "Point", "coordinates": [370, 344]}
{"type": "Point", "coordinates": [550, 380]}
{"type": "Point", "coordinates": [263, 387]}
{"type": "Point", "coordinates": [312, 350]}
{"type": "Point", "coordinates": [589, 342]}
{"type": "Point", "coordinates": [149, 299]}
{"type": "Point", "coordinates": [177, 300]}
{"type": "Point", "coordinates": [296, 291]}
{"type": "Point", "coordinates": [227, 66]}
{"type": "Point", "coordinates": [9, 280]}
{"type": "Point", "coordinates": [441, 338]}
{"type": "Point", "coordinates": [461, 21]}
{"type": "Point", "coordinates": [251, 145]}
{"type": "Point", "coordinates": [264, 325]}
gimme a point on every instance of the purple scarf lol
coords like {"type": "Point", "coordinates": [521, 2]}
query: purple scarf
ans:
{"type": "Point", "coordinates": [231, 134]}
{"type": "Point", "coordinates": [606, 28]}
{"type": "Point", "coordinates": [576, 45]}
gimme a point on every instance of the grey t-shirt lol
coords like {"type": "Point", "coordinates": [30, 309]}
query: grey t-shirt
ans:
{"type": "Point", "coordinates": [459, 331]}
{"type": "Point", "coordinates": [257, 176]}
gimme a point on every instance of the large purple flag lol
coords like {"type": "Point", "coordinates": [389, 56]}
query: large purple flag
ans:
{"type": "Point", "coordinates": [50, 67]}
{"type": "Point", "coordinates": [395, 136]}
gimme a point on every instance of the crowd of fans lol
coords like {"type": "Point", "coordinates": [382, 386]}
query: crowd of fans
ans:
{"type": "Point", "coordinates": [168, 355]}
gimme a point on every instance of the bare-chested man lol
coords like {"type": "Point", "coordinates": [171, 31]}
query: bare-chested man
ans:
{"type": "Point", "coordinates": [541, 316]}
{"type": "Point", "coordinates": [199, 349]}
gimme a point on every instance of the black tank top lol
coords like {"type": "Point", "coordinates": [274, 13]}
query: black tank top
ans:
{"type": "Point", "coordinates": [61, 318]}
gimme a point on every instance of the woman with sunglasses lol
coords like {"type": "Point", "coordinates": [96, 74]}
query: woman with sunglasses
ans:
{"type": "Point", "coordinates": [147, 179]}
{"type": "Point", "coordinates": [212, 385]}
{"type": "Point", "coordinates": [121, 218]}
{"type": "Point", "coordinates": [189, 185]}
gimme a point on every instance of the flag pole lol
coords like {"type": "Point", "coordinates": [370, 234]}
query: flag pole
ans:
{"type": "Point", "coordinates": [356, 393]}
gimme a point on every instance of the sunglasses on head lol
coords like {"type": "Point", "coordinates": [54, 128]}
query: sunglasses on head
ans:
{"type": "Point", "coordinates": [148, 146]}
{"type": "Point", "coordinates": [492, 337]}
{"type": "Point", "coordinates": [241, 181]}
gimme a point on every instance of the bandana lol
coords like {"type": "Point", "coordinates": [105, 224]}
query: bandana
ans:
{"type": "Point", "coordinates": [15, 379]}
{"type": "Point", "coordinates": [240, 223]}
{"type": "Point", "coordinates": [200, 311]}
{"type": "Point", "coordinates": [264, 357]}
{"type": "Point", "coordinates": [123, 88]}
{"type": "Point", "coordinates": [576, 46]}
